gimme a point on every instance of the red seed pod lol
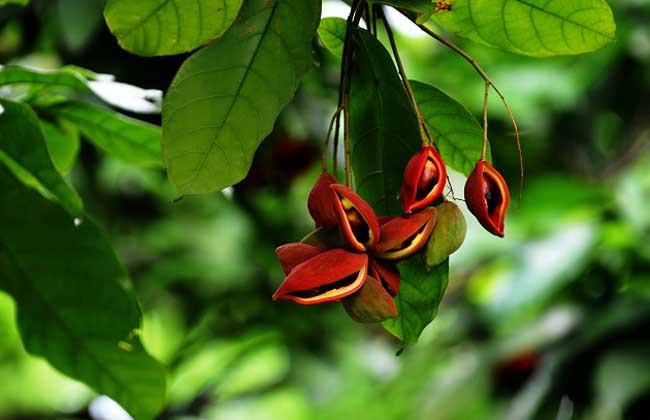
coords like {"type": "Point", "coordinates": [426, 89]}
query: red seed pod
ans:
{"type": "Point", "coordinates": [424, 179]}
{"type": "Point", "coordinates": [320, 203]}
{"type": "Point", "coordinates": [387, 273]}
{"type": "Point", "coordinates": [327, 277]}
{"type": "Point", "coordinates": [357, 220]}
{"type": "Point", "coordinates": [404, 236]}
{"type": "Point", "coordinates": [290, 255]}
{"type": "Point", "coordinates": [487, 197]}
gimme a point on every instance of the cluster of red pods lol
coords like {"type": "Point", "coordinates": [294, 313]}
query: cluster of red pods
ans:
{"type": "Point", "coordinates": [352, 254]}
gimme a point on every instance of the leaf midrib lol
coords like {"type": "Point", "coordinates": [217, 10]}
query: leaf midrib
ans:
{"type": "Point", "coordinates": [533, 6]}
{"type": "Point", "coordinates": [138, 25]}
{"type": "Point", "coordinates": [263, 34]}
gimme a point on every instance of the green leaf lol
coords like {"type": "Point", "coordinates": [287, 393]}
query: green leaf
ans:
{"type": "Point", "coordinates": [383, 126]}
{"type": "Point", "coordinates": [457, 133]}
{"type": "Point", "coordinates": [12, 75]}
{"type": "Point", "coordinates": [74, 303]}
{"type": "Point", "coordinates": [423, 9]}
{"type": "Point", "coordinates": [44, 83]}
{"type": "Point", "coordinates": [533, 27]}
{"type": "Point", "coordinates": [331, 32]}
{"type": "Point", "coordinates": [419, 296]}
{"type": "Point", "coordinates": [225, 98]}
{"type": "Point", "coordinates": [62, 143]}
{"type": "Point", "coordinates": [164, 27]}
{"type": "Point", "coordinates": [23, 150]}
{"type": "Point", "coordinates": [19, 2]}
{"type": "Point", "coordinates": [125, 138]}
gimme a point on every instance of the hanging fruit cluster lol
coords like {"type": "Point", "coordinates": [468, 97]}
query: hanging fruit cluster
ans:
{"type": "Point", "coordinates": [352, 254]}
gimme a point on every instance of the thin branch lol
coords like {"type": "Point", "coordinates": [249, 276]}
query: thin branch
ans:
{"type": "Point", "coordinates": [335, 117]}
{"type": "Point", "coordinates": [353, 20]}
{"type": "Point", "coordinates": [485, 120]}
{"type": "Point", "coordinates": [425, 134]}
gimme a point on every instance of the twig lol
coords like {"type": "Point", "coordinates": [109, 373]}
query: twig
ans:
{"type": "Point", "coordinates": [344, 88]}
{"type": "Point", "coordinates": [485, 120]}
{"type": "Point", "coordinates": [335, 117]}
{"type": "Point", "coordinates": [425, 134]}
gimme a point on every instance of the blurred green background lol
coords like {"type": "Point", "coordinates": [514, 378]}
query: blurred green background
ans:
{"type": "Point", "coordinates": [552, 322]}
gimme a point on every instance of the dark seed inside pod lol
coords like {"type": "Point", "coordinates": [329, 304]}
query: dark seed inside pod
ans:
{"type": "Point", "coordinates": [428, 179]}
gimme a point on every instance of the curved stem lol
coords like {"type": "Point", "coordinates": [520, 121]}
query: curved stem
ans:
{"type": "Point", "coordinates": [425, 134]}
{"type": "Point", "coordinates": [334, 118]}
{"type": "Point", "coordinates": [485, 120]}
{"type": "Point", "coordinates": [344, 87]}
{"type": "Point", "coordinates": [488, 81]}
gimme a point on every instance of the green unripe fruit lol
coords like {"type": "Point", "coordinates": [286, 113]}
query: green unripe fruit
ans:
{"type": "Point", "coordinates": [447, 236]}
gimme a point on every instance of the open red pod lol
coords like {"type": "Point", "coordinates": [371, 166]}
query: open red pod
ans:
{"type": "Point", "coordinates": [387, 273]}
{"type": "Point", "coordinates": [320, 203]}
{"type": "Point", "coordinates": [424, 179]}
{"type": "Point", "coordinates": [292, 254]}
{"type": "Point", "coordinates": [327, 277]}
{"type": "Point", "coordinates": [403, 236]}
{"type": "Point", "coordinates": [357, 220]}
{"type": "Point", "coordinates": [487, 197]}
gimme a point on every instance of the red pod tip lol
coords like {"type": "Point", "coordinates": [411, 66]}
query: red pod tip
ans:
{"type": "Point", "coordinates": [327, 277]}
{"type": "Point", "coordinates": [424, 179]}
{"type": "Point", "coordinates": [487, 197]}
{"type": "Point", "coordinates": [357, 220]}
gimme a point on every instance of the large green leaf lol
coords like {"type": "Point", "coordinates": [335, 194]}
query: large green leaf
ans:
{"type": "Point", "coordinates": [225, 98]}
{"type": "Point", "coordinates": [331, 32]}
{"type": "Point", "coordinates": [12, 75]}
{"type": "Point", "coordinates": [24, 151]}
{"type": "Point", "coordinates": [419, 296]}
{"type": "Point", "coordinates": [44, 87]}
{"type": "Point", "coordinates": [19, 2]}
{"type": "Point", "coordinates": [74, 304]}
{"type": "Point", "coordinates": [164, 27]}
{"type": "Point", "coordinates": [62, 143]}
{"type": "Point", "coordinates": [457, 133]}
{"type": "Point", "coordinates": [533, 27]}
{"type": "Point", "coordinates": [383, 126]}
{"type": "Point", "coordinates": [125, 138]}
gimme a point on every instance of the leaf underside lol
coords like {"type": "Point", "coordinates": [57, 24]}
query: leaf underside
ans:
{"type": "Point", "coordinates": [74, 305]}
{"type": "Point", "coordinates": [165, 27]}
{"type": "Point", "coordinates": [226, 97]}
{"type": "Point", "coordinates": [533, 27]}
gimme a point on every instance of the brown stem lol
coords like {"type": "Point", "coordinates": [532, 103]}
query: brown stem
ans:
{"type": "Point", "coordinates": [335, 117]}
{"type": "Point", "coordinates": [485, 120]}
{"type": "Point", "coordinates": [344, 89]}
{"type": "Point", "coordinates": [425, 134]}
{"type": "Point", "coordinates": [488, 81]}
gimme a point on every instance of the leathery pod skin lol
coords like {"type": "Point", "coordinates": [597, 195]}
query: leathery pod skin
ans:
{"type": "Point", "coordinates": [387, 273]}
{"type": "Point", "coordinates": [404, 236]}
{"type": "Point", "coordinates": [357, 220]}
{"type": "Point", "coordinates": [329, 276]}
{"type": "Point", "coordinates": [424, 180]}
{"type": "Point", "coordinates": [487, 197]}
{"type": "Point", "coordinates": [295, 253]}
{"type": "Point", "coordinates": [320, 203]}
